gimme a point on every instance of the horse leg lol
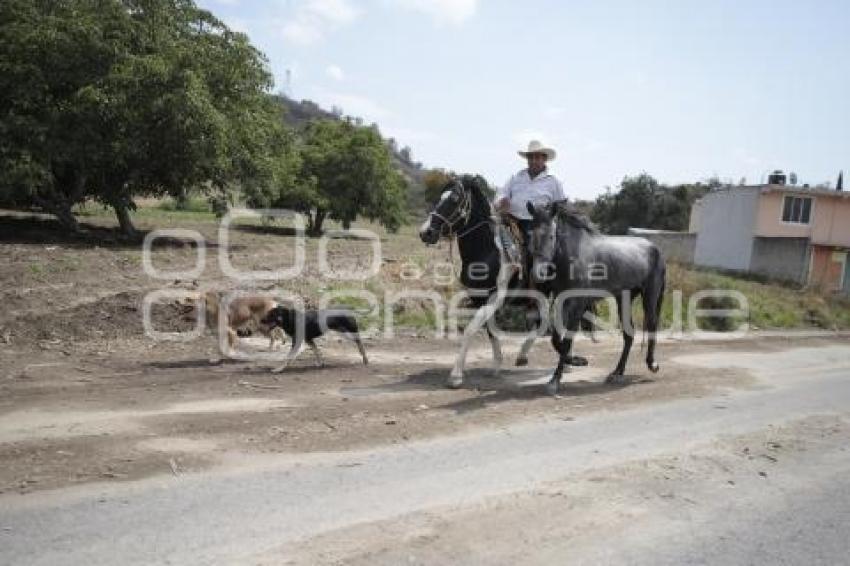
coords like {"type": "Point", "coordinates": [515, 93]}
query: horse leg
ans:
{"type": "Point", "coordinates": [542, 325]}
{"type": "Point", "coordinates": [653, 296]}
{"type": "Point", "coordinates": [563, 345]}
{"type": "Point", "coordinates": [497, 351]}
{"type": "Point", "coordinates": [481, 317]}
{"type": "Point", "coordinates": [578, 317]}
{"type": "Point", "coordinates": [555, 381]}
{"type": "Point", "coordinates": [624, 307]}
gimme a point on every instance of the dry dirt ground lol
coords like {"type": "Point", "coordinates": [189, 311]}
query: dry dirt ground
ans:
{"type": "Point", "coordinates": [85, 396]}
{"type": "Point", "coordinates": [661, 510]}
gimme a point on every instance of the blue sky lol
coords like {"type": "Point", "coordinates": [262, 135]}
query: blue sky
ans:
{"type": "Point", "coordinates": [680, 89]}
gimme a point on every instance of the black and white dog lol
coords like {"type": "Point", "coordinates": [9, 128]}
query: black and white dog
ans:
{"type": "Point", "coordinates": [308, 325]}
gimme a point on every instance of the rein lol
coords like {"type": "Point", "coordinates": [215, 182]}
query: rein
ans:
{"type": "Point", "coordinates": [461, 213]}
{"type": "Point", "coordinates": [459, 236]}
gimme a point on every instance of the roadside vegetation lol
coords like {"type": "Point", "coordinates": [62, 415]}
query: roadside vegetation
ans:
{"type": "Point", "coordinates": [409, 265]}
{"type": "Point", "coordinates": [117, 101]}
{"type": "Point", "coordinates": [157, 114]}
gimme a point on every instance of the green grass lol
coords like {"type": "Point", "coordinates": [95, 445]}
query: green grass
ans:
{"type": "Point", "coordinates": [197, 205]}
{"type": "Point", "coordinates": [165, 210]}
{"type": "Point", "coordinates": [768, 305]}
{"type": "Point", "coordinates": [771, 305]}
{"type": "Point", "coordinates": [419, 319]}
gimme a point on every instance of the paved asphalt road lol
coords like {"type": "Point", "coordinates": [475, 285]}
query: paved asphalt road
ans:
{"type": "Point", "coordinates": [272, 510]}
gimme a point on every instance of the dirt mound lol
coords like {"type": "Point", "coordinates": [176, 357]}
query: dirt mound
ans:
{"type": "Point", "coordinates": [111, 317]}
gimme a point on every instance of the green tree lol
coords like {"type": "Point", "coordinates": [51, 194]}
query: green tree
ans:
{"type": "Point", "coordinates": [435, 181]}
{"type": "Point", "coordinates": [642, 202]}
{"type": "Point", "coordinates": [345, 171]}
{"type": "Point", "coordinates": [114, 99]}
{"type": "Point", "coordinates": [631, 206]}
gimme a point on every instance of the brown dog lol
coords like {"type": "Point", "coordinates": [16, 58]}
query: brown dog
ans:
{"type": "Point", "coordinates": [241, 310]}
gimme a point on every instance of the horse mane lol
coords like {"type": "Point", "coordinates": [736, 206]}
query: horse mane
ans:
{"type": "Point", "coordinates": [471, 183]}
{"type": "Point", "coordinates": [567, 213]}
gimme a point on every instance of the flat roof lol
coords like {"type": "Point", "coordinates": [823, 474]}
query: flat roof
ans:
{"type": "Point", "coordinates": [796, 189]}
{"type": "Point", "coordinates": [818, 191]}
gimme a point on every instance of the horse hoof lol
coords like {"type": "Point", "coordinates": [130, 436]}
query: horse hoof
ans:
{"type": "Point", "coordinates": [614, 378]}
{"type": "Point", "coordinates": [552, 388]}
{"type": "Point", "coordinates": [520, 362]}
{"type": "Point", "coordinates": [454, 381]}
{"type": "Point", "coordinates": [577, 361]}
{"type": "Point", "coordinates": [654, 367]}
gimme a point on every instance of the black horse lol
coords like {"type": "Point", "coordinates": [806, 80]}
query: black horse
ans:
{"type": "Point", "coordinates": [580, 265]}
{"type": "Point", "coordinates": [464, 212]}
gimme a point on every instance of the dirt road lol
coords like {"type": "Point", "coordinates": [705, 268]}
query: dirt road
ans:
{"type": "Point", "coordinates": [116, 448]}
{"type": "Point", "coordinates": [740, 457]}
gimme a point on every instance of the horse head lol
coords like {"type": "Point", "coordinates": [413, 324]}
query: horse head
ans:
{"type": "Point", "coordinates": [541, 247]}
{"type": "Point", "coordinates": [448, 214]}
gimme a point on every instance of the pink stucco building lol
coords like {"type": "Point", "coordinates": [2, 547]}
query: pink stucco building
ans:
{"type": "Point", "coordinates": [787, 232]}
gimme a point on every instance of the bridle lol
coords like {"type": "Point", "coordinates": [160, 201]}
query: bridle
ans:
{"type": "Point", "coordinates": [459, 215]}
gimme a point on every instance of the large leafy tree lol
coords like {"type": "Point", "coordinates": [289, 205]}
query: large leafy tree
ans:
{"type": "Point", "coordinates": [435, 181]}
{"type": "Point", "coordinates": [113, 99]}
{"type": "Point", "coordinates": [346, 171]}
{"type": "Point", "coordinates": [642, 202]}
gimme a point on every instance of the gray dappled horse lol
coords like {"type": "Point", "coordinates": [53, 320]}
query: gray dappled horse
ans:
{"type": "Point", "coordinates": [464, 212]}
{"type": "Point", "coordinates": [575, 261]}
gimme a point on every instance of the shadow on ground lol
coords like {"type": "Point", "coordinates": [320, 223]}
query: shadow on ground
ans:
{"type": "Point", "coordinates": [36, 230]}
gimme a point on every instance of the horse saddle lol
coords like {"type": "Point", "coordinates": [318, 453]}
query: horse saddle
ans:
{"type": "Point", "coordinates": [512, 242]}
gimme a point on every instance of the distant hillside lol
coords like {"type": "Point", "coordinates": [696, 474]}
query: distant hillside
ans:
{"type": "Point", "coordinates": [297, 114]}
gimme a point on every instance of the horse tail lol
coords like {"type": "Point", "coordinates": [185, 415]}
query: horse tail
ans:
{"type": "Point", "coordinates": [653, 298]}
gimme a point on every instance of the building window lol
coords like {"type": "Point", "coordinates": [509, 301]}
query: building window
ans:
{"type": "Point", "coordinates": [797, 209]}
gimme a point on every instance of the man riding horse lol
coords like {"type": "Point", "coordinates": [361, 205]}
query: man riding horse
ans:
{"type": "Point", "coordinates": [534, 184]}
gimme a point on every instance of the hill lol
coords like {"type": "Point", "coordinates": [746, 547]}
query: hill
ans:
{"type": "Point", "coordinates": [297, 114]}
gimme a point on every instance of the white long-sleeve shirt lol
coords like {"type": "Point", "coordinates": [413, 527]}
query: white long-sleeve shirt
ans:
{"type": "Point", "coordinates": [521, 188]}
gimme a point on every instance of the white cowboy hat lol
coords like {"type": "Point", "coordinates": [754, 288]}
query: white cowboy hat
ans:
{"type": "Point", "coordinates": [534, 146]}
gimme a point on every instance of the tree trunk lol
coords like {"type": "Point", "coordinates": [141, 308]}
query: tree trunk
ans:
{"type": "Point", "coordinates": [59, 202]}
{"type": "Point", "coordinates": [66, 218]}
{"type": "Point", "coordinates": [124, 220]}
{"type": "Point", "coordinates": [61, 210]}
{"type": "Point", "coordinates": [181, 200]}
{"type": "Point", "coordinates": [318, 219]}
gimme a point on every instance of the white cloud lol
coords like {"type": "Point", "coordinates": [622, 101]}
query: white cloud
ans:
{"type": "Point", "coordinates": [313, 19]}
{"type": "Point", "coordinates": [334, 72]}
{"type": "Point", "coordinates": [444, 11]}
{"type": "Point", "coordinates": [334, 11]}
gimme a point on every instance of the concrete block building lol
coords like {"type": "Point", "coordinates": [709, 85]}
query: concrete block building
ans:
{"type": "Point", "coordinates": [781, 231]}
